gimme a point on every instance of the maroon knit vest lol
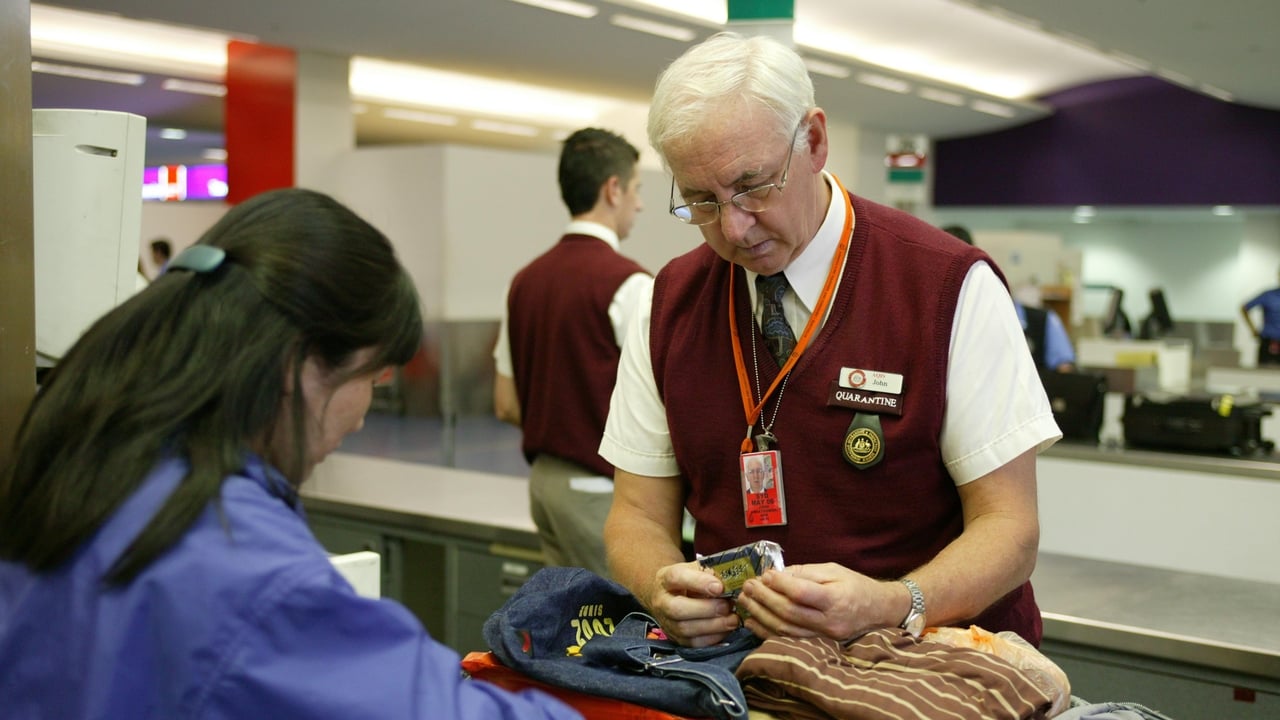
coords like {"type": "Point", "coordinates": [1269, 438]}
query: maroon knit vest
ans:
{"type": "Point", "coordinates": [563, 348]}
{"type": "Point", "coordinates": [893, 313]}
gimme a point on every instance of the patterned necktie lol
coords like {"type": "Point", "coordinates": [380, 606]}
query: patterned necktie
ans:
{"type": "Point", "coordinates": [773, 323]}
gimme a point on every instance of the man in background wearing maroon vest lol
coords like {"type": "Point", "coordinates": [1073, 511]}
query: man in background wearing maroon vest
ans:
{"type": "Point", "coordinates": [902, 419]}
{"type": "Point", "coordinates": [558, 347]}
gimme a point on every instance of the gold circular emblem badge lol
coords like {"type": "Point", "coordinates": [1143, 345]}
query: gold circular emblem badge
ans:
{"type": "Point", "coordinates": [861, 446]}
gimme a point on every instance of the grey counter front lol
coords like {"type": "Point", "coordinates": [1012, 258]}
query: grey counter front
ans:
{"type": "Point", "coordinates": [456, 543]}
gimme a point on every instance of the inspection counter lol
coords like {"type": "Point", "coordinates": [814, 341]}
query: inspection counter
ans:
{"type": "Point", "coordinates": [1193, 644]}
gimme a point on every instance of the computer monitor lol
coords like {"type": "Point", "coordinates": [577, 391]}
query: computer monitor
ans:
{"type": "Point", "coordinates": [1159, 323]}
{"type": "Point", "coordinates": [1114, 321]}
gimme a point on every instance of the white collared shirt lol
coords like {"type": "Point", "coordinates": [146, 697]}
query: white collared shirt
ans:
{"type": "Point", "coordinates": [808, 273]}
{"type": "Point", "coordinates": [989, 369]}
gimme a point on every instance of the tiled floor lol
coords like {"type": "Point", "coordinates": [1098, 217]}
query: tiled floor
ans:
{"type": "Point", "coordinates": [478, 442]}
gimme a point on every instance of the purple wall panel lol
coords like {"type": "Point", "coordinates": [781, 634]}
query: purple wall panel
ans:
{"type": "Point", "coordinates": [1133, 141]}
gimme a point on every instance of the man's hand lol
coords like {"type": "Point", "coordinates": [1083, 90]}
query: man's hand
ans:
{"type": "Point", "coordinates": [825, 600]}
{"type": "Point", "coordinates": [686, 602]}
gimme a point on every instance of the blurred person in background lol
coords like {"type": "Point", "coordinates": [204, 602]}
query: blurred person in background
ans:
{"type": "Point", "coordinates": [1046, 334]}
{"type": "Point", "coordinates": [559, 342]}
{"type": "Point", "coordinates": [1268, 334]}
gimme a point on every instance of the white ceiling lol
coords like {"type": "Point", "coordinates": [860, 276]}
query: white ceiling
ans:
{"type": "Point", "coordinates": [1227, 46]}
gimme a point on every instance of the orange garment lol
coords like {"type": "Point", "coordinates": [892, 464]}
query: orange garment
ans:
{"type": "Point", "coordinates": [486, 667]}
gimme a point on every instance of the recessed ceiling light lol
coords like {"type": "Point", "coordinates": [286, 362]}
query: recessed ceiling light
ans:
{"type": "Point", "coordinates": [1133, 61]}
{"type": "Point", "coordinates": [173, 134]}
{"type": "Point", "coordinates": [884, 82]}
{"type": "Point", "coordinates": [1223, 210]}
{"type": "Point", "coordinates": [420, 116]}
{"type": "Point", "coordinates": [505, 128]}
{"type": "Point", "coordinates": [992, 108]}
{"type": "Point", "coordinates": [946, 97]}
{"type": "Point", "coordinates": [830, 69]}
{"type": "Point", "coordinates": [218, 154]}
{"type": "Point", "coordinates": [194, 87]}
{"type": "Point", "coordinates": [567, 7]}
{"type": "Point", "coordinates": [1217, 92]}
{"type": "Point", "coordinates": [1175, 77]}
{"type": "Point", "coordinates": [83, 73]}
{"type": "Point", "coordinates": [653, 27]}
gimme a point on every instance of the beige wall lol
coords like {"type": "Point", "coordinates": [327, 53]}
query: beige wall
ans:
{"type": "Point", "coordinates": [181, 222]}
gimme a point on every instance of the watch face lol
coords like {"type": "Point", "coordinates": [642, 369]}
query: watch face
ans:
{"type": "Point", "coordinates": [914, 624]}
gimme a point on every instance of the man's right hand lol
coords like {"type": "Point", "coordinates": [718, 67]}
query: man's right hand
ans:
{"type": "Point", "coordinates": [686, 601]}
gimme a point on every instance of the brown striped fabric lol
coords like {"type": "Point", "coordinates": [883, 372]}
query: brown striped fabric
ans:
{"type": "Point", "coordinates": [885, 675]}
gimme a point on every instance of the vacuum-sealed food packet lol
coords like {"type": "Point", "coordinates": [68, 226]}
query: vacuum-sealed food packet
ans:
{"type": "Point", "coordinates": [737, 565]}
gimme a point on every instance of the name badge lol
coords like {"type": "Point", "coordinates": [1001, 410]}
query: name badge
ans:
{"type": "Point", "coordinates": [864, 400]}
{"type": "Point", "coordinates": [872, 380]}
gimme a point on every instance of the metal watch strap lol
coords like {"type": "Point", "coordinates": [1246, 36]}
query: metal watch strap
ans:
{"type": "Point", "coordinates": [914, 621]}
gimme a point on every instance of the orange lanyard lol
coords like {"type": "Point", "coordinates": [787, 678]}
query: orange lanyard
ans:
{"type": "Point", "coordinates": [810, 329]}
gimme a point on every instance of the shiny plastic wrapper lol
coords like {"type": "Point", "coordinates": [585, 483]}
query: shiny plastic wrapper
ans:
{"type": "Point", "coordinates": [736, 566]}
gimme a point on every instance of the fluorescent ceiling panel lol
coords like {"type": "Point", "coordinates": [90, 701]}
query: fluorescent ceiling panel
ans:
{"type": "Point", "coordinates": [132, 44]}
{"type": "Point", "coordinates": [398, 84]}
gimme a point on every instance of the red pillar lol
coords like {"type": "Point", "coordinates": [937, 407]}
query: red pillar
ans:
{"type": "Point", "coordinates": [259, 118]}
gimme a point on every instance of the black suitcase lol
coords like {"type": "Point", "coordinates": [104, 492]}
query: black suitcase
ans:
{"type": "Point", "coordinates": [1077, 400]}
{"type": "Point", "coordinates": [1216, 424]}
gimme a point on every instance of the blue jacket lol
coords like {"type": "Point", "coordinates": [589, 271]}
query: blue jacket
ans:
{"type": "Point", "coordinates": [245, 617]}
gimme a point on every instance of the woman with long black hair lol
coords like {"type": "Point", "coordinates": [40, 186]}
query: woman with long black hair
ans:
{"type": "Point", "coordinates": [154, 557]}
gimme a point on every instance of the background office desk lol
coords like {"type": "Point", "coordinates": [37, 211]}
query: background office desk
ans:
{"type": "Point", "coordinates": [456, 543]}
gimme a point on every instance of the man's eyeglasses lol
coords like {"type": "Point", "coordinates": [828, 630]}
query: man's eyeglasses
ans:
{"type": "Point", "coordinates": [753, 200]}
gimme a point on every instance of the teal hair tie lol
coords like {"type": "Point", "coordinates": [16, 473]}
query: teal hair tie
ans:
{"type": "Point", "coordinates": [198, 258]}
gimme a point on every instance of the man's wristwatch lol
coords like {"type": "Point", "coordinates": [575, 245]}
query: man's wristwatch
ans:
{"type": "Point", "coordinates": [914, 622]}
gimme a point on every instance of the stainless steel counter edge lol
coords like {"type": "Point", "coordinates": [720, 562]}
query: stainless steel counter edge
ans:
{"type": "Point", "coordinates": [434, 499]}
{"type": "Point", "coordinates": [1262, 467]}
{"type": "Point", "coordinates": [1165, 646]}
{"type": "Point", "coordinates": [432, 525]}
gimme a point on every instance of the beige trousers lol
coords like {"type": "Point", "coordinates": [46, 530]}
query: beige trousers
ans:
{"type": "Point", "coordinates": [569, 504]}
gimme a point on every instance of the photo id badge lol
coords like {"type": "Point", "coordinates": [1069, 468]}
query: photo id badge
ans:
{"type": "Point", "coordinates": [763, 501]}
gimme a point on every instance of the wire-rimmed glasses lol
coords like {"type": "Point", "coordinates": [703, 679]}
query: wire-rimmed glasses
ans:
{"type": "Point", "coordinates": [753, 200]}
